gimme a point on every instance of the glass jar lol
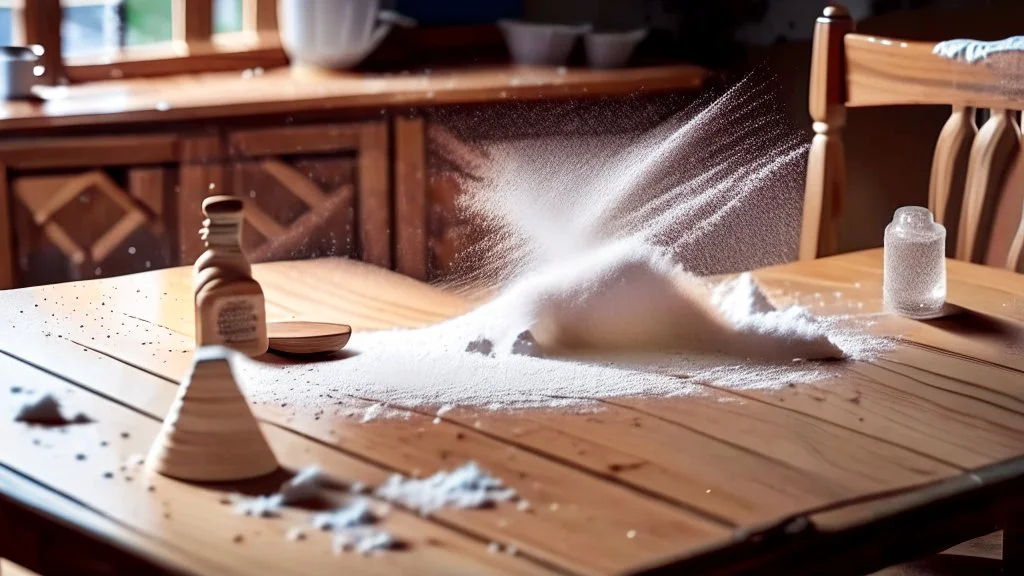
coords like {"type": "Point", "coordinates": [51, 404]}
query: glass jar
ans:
{"type": "Point", "coordinates": [914, 281]}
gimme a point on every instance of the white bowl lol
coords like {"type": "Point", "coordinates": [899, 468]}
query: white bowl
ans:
{"type": "Point", "coordinates": [611, 49]}
{"type": "Point", "coordinates": [540, 44]}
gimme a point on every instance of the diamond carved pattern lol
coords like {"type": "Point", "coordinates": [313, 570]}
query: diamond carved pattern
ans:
{"type": "Point", "coordinates": [45, 197]}
{"type": "Point", "coordinates": [296, 193]}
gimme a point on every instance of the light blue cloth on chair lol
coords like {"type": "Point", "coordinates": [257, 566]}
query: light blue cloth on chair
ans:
{"type": "Point", "coordinates": [972, 51]}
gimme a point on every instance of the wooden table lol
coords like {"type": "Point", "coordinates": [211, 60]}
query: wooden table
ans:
{"type": "Point", "coordinates": [898, 457]}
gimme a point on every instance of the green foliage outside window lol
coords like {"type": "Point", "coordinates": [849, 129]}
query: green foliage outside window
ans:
{"type": "Point", "coordinates": [149, 21]}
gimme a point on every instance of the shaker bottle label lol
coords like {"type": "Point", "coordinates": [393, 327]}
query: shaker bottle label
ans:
{"type": "Point", "coordinates": [237, 319]}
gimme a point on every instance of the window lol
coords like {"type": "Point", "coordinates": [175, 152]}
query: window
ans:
{"type": "Point", "coordinates": [91, 26]}
{"type": "Point", "coordinates": [227, 16]}
{"type": "Point", "coordinates": [10, 13]}
{"type": "Point", "coordinates": [103, 39]}
{"type": "Point", "coordinates": [145, 22]}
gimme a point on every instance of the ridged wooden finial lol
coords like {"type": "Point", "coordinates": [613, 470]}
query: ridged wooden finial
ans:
{"type": "Point", "coordinates": [836, 11]}
{"type": "Point", "coordinates": [210, 434]}
{"type": "Point", "coordinates": [222, 205]}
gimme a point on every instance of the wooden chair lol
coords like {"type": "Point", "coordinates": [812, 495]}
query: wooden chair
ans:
{"type": "Point", "coordinates": [977, 179]}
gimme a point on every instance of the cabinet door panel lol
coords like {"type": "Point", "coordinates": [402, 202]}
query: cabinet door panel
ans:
{"type": "Point", "coordinates": [297, 206]}
{"type": "Point", "coordinates": [81, 224]}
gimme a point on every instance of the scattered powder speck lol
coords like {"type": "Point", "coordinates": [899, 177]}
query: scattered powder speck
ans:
{"type": "Point", "coordinates": [363, 541]}
{"type": "Point", "coordinates": [352, 527]}
{"type": "Point", "coordinates": [259, 506]}
{"type": "Point", "coordinates": [46, 411]}
{"type": "Point", "coordinates": [373, 412]}
{"type": "Point", "coordinates": [354, 513]}
{"type": "Point", "coordinates": [526, 345]}
{"type": "Point", "coordinates": [349, 523]}
{"type": "Point", "coordinates": [441, 412]}
{"type": "Point", "coordinates": [481, 346]}
{"type": "Point", "coordinates": [306, 485]}
{"type": "Point", "coordinates": [465, 487]}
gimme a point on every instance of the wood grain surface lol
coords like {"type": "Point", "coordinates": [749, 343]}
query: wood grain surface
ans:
{"type": "Point", "coordinates": [635, 483]}
{"type": "Point", "coordinates": [891, 71]}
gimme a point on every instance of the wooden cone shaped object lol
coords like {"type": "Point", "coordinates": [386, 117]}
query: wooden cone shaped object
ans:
{"type": "Point", "coordinates": [210, 434]}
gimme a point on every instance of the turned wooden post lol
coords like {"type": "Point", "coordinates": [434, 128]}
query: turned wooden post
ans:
{"type": "Point", "coordinates": [826, 165]}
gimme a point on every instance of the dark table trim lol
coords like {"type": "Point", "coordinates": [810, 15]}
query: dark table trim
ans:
{"type": "Point", "coordinates": [49, 533]}
{"type": "Point", "coordinates": [920, 522]}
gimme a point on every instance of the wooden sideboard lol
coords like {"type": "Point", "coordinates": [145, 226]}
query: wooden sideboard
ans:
{"type": "Point", "coordinates": [106, 178]}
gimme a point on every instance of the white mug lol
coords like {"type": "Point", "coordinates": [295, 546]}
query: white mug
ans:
{"type": "Point", "coordinates": [333, 33]}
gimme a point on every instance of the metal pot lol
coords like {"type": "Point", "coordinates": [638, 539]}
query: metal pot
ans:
{"type": "Point", "coordinates": [20, 70]}
{"type": "Point", "coordinates": [333, 33]}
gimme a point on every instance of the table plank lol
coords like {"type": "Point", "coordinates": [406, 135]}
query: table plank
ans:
{"type": "Point", "coordinates": [709, 476]}
{"type": "Point", "coordinates": [745, 462]}
{"type": "Point", "coordinates": [867, 407]}
{"type": "Point", "coordinates": [980, 380]}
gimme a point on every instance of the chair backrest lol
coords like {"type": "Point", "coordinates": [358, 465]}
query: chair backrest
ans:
{"type": "Point", "coordinates": [977, 179]}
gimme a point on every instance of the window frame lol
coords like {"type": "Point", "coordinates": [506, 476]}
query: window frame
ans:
{"type": "Point", "coordinates": [194, 47]}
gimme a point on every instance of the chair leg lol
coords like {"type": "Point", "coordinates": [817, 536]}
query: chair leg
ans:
{"type": "Point", "coordinates": [1013, 547]}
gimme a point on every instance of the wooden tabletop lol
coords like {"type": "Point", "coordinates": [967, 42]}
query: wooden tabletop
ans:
{"type": "Point", "coordinates": [729, 479]}
{"type": "Point", "coordinates": [287, 91]}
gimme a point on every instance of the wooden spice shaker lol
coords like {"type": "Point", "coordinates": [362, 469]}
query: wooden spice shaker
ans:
{"type": "Point", "coordinates": [230, 309]}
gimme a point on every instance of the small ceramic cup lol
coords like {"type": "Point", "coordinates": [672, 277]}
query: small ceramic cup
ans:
{"type": "Point", "coordinates": [611, 49]}
{"type": "Point", "coordinates": [20, 70]}
{"type": "Point", "coordinates": [540, 44]}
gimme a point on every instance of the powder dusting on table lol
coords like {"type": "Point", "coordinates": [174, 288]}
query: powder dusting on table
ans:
{"type": "Point", "coordinates": [431, 368]}
{"type": "Point", "coordinates": [352, 523]}
{"type": "Point", "coordinates": [596, 247]}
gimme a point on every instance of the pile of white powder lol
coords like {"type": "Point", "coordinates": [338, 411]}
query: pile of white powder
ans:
{"type": "Point", "coordinates": [640, 328]}
{"type": "Point", "coordinates": [594, 243]}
